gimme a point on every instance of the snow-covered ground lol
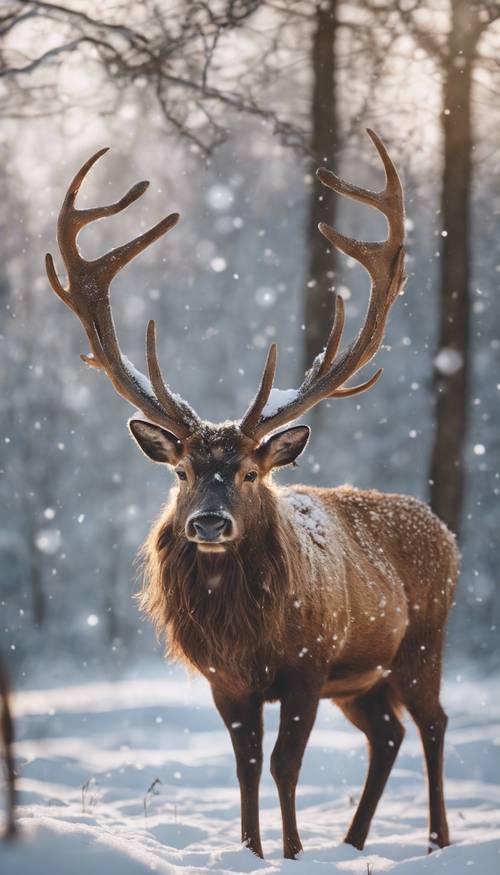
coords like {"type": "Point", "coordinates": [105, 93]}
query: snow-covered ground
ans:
{"type": "Point", "coordinates": [88, 755]}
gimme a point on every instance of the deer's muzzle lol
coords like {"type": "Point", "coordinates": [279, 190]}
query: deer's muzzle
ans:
{"type": "Point", "coordinates": [210, 527]}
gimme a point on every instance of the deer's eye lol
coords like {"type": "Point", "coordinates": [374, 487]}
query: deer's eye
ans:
{"type": "Point", "coordinates": [181, 474]}
{"type": "Point", "coordinates": [251, 476]}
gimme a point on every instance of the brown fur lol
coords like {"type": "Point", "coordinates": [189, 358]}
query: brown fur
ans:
{"type": "Point", "coordinates": [270, 602]}
{"type": "Point", "coordinates": [219, 612]}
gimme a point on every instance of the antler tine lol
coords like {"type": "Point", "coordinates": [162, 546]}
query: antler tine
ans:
{"type": "Point", "coordinates": [72, 220]}
{"type": "Point", "coordinates": [95, 213]}
{"type": "Point", "coordinates": [385, 264]}
{"type": "Point", "coordinates": [89, 215]}
{"type": "Point", "coordinates": [165, 397]}
{"type": "Point", "coordinates": [54, 279]}
{"type": "Point", "coordinates": [113, 261]}
{"type": "Point", "coordinates": [76, 182]}
{"type": "Point", "coordinates": [322, 362]}
{"type": "Point", "coordinates": [356, 390]}
{"type": "Point", "coordinates": [251, 417]}
{"type": "Point", "coordinates": [335, 336]}
{"type": "Point", "coordinates": [382, 297]}
{"type": "Point", "coordinates": [392, 180]}
{"type": "Point", "coordinates": [88, 296]}
{"type": "Point", "coordinates": [375, 199]}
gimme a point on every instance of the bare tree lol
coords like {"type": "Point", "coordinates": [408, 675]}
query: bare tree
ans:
{"type": "Point", "coordinates": [175, 49]}
{"type": "Point", "coordinates": [458, 56]}
{"type": "Point", "coordinates": [324, 143]}
{"type": "Point", "coordinates": [178, 52]}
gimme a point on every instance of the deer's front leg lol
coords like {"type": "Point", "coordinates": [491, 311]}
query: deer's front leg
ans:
{"type": "Point", "coordinates": [243, 719]}
{"type": "Point", "coordinates": [299, 703]}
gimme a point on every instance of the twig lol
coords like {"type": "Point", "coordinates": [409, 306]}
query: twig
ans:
{"type": "Point", "coordinates": [89, 794]}
{"type": "Point", "coordinates": [151, 791]}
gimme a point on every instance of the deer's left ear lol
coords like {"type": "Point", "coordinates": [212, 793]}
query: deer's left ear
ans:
{"type": "Point", "coordinates": [157, 443]}
{"type": "Point", "coordinates": [283, 448]}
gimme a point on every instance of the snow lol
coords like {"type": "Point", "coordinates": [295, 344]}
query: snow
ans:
{"type": "Point", "coordinates": [265, 297]}
{"type": "Point", "coordinates": [448, 361]}
{"type": "Point", "coordinates": [219, 197]}
{"type": "Point", "coordinates": [48, 541]}
{"type": "Point", "coordinates": [218, 264]}
{"type": "Point", "coordinates": [278, 398]}
{"type": "Point", "coordinates": [309, 517]}
{"type": "Point", "coordinates": [140, 378]}
{"type": "Point", "coordinates": [137, 776]}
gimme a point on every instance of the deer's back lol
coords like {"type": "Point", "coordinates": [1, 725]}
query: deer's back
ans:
{"type": "Point", "coordinates": [400, 535]}
{"type": "Point", "coordinates": [383, 570]}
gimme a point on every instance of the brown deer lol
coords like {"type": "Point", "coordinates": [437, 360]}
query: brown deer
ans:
{"type": "Point", "coordinates": [7, 735]}
{"type": "Point", "coordinates": [292, 594]}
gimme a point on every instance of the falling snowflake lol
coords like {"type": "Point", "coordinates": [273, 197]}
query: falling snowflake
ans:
{"type": "Point", "coordinates": [48, 541]}
{"type": "Point", "coordinates": [448, 361]}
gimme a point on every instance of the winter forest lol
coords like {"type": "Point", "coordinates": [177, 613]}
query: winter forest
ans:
{"type": "Point", "coordinates": [228, 107]}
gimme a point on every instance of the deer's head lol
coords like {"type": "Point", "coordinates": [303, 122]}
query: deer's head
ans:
{"type": "Point", "coordinates": [223, 469]}
{"type": "Point", "coordinates": [222, 477]}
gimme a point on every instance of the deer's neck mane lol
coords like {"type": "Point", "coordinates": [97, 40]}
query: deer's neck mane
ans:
{"type": "Point", "coordinates": [220, 611]}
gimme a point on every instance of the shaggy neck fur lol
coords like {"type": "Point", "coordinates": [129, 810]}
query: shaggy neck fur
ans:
{"type": "Point", "coordinates": [219, 611]}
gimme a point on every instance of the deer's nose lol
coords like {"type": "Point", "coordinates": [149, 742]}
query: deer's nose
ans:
{"type": "Point", "coordinates": [210, 526]}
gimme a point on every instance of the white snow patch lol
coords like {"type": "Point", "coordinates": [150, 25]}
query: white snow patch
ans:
{"type": "Point", "coordinates": [278, 399]}
{"type": "Point", "coordinates": [140, 378]}
{"type": "Point", "coordinates": [88, 756]}
{"type": "Point", "coordinates": [309, 516]}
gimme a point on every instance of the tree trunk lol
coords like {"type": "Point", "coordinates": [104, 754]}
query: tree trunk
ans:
{"type": "Point", "coordinates": [318, 309]}
{"type": "Point", "coordinates": [452, 365]}
{"type": "Point", "coordinates": [34, 569]}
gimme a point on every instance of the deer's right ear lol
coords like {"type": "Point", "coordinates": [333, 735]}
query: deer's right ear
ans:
{"type": "Point", "coordinates": [156, 443]}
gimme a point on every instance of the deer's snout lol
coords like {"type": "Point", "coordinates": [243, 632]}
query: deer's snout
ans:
{"type": "Point", "coordinates": [209, 527]}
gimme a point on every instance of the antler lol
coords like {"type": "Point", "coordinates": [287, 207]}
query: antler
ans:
{"type": "Point", "coordinates": [385, 264]}
{"type": "Point", "coordinates": [88, 296]}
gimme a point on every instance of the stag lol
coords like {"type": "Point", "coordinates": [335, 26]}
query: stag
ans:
{"type": "Point", "coordinates": [297, 593]}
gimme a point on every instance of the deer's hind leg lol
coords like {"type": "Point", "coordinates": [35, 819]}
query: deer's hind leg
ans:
{"type": "Point", "coordinates": [374, 713]}
{"type": "Point", "coordinates": [418, 680]}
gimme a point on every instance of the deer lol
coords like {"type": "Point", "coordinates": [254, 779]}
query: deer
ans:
{"type": "Point", "coordinates": [288, 594]}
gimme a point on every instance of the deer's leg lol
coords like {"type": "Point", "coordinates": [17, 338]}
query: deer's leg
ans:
{"type": "Point", "coordinates": [374, 714]}
{"type": "Point", "coordinates": [425, 708]}
{"type": "Point", "coordinates": [299, 704]}
{"type": "Point", "coordinates": [417, 673]}
{"type": "Point", "coordinates": [432, 728]}
{"type": "Point", "coordinates": [243, 719]}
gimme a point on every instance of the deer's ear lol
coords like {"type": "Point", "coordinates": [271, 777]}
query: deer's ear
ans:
{"type": "Point", "coordinates": [157, 443]}
{"type": "Point", "coordinates": [283, 448]}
